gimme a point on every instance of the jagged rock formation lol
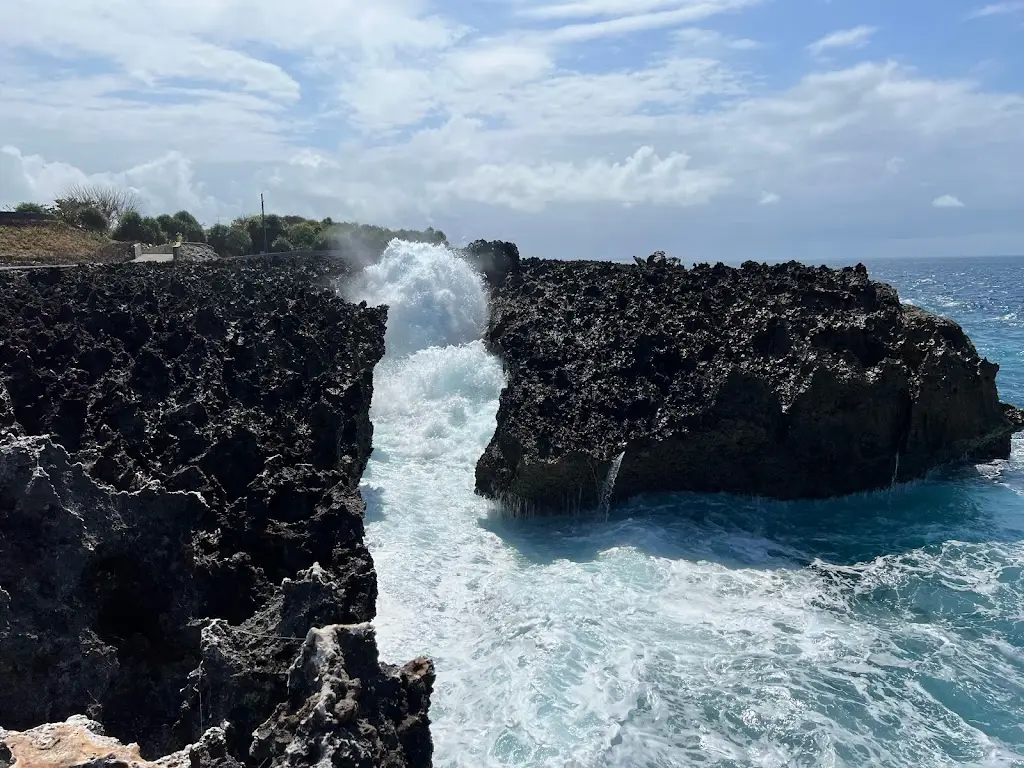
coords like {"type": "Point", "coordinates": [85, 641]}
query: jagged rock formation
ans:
{"type": "Point", "coordinates": [180, 452]}
{"type": "Point", "coordinates": [494, 259]}
{"type": "Point", "coordinates": [784, 381]}
{"type": "Point", "coordinates": [80, 741]}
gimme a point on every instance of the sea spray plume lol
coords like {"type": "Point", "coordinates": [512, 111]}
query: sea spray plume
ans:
{"type": "Point", "coordinates": [434, 298]}
{"type": "Point", "coordinates": [353, 247]}
{"type": "Point", "coordinates": [360, 245]}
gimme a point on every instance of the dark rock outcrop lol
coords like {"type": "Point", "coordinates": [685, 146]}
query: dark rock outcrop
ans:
{"type": "Point", "coordinates": [494, 259]}
{"type": "Point", "coordinates": [784, 381]}
{"type": "Point", "coordinates": [180, 452]}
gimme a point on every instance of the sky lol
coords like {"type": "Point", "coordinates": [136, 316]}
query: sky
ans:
{"type": "Point", "coordinates": [824, 130]}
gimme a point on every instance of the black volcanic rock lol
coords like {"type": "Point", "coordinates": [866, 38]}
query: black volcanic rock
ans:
{"type": "Point", "coordinates": [494, 259]}
{"type": "Point", "coordinates": [180, 452]}
{"type": "Point", "coordinates": [783, 381]}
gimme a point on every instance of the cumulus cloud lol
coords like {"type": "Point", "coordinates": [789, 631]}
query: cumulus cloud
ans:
{"type": "Point", "coordinates": [857, 37]}
{"type": "Point", "coordinates": [947, 201]}
{"type": "Point", "coordinates": [769, 198]}
{"type": "Point", "coordinates": [643, 177]}
{"type": "Point", "coordinates": [998, 9]}
{"type": "Point", "coordinates": [164, 184]}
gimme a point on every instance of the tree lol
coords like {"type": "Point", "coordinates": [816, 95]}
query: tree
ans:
{"type": "Point", "coordinates": [305, 236]}
{"type": "Point", "coordinates": [135, 229]}
{"type": "Point", "coordinates": [229, 241]}
{"type": "Point", "coordinates": [275, 228]}
{"type": "Point", "coordinates": [68, 210]}
{"type": "Point", "coordinates": [281, 245]}
{"type": "Point", "coordinates": [217, 237]}
{"type": "Point", "coordinates": [238, 242]}
{"type": "Point", "coordinates": [112, 202]}
{"type": "Point", "coordinates": [130, 228]}
{"type": "Point", "coordinates": [92, 219]}
{"type": "Point", "coordinates": [188, 227]}
{"type": "Point", "coordinates": [152, 232]}
{"type": "Point", "coordinates": [167, 225]}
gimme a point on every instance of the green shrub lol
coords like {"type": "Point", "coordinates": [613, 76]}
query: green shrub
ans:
{"type": "Point", "coordinates": [92, 219]}
{"type": "Point", "coordinates": [130, 228]}
{"type": "Point", "coordinates": [152, 232]}
{"type": "Point", "coordinates": [276, 227]}
{"type": "Point", "coordinates": [31, 208]}
{"type": "Point", "coordinates": [238, 242]}
{"type": "Point", "coordinates": [112, 202]}
{"type": "Point", "coordinates": [306, 236]}
{"type": "Point", "coordinates": [167, 225]}
{"type": "Point", "coordinates": [188, 227]}
{"type": "Point", "coordinates": [281, 245]}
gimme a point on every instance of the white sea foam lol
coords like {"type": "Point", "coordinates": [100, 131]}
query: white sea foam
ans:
{"type": "Point", "coordinates": [684, 630]}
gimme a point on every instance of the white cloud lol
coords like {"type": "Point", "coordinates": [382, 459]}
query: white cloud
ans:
{"type": "Point", "coordinates": [947, 201]}
{"type": "Point", "coordinates": [894, 165]}
{"type": "Point", "coordinates": [711, 42]}
{"type": "Point", "coordinates": [998, 9]}
{"type": "Point", "coordinates": [857, 37]}
{"type": "Point", "coordinates": [165, 184]}
{"type": "Point", "coordinates": [577, 33]}
{"type": "Point", "coordinates": [769, 198]}
{"type": "Point", "coordinates": [643, 177]}
{"type": "Point", "coordinates": [696, 9]}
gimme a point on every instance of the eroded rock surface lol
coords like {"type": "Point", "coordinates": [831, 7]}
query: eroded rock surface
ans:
{"type": "Point", "coordinates": [494, 259]}
{"type": "Point", "coordinates": [180, 452]}
{"type": "Point", "coordinates": [784, 381]}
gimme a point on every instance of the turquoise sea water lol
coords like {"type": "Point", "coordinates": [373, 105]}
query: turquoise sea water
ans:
{"type": "Point", "coordinates": [885, 629]}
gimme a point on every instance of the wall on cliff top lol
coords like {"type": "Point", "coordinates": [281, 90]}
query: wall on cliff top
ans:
{"type": "Point", "coordinates": [783, 381]}
{"type": "Point", "coordinates": [180, 456]}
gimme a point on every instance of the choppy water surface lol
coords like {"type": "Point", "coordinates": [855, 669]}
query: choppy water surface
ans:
{"type": "Point", "coordinates": [693, 630]}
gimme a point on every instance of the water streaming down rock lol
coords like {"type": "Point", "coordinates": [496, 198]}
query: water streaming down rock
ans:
{"type": "Point", "coordinates": [608, 487]}
{"type": "Point", "coordinates": [683, 629]}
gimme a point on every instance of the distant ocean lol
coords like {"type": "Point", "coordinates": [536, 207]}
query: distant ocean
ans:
{"type": "Point", "coordinates": [881, 630]}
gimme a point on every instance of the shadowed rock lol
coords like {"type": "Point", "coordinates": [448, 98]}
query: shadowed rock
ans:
{"type": "Point", "coordinates": [494, 259]}
{"type": "Point", "coordinates": [784, 381]}
{"type": "Point", "coordinates": [180, 452]}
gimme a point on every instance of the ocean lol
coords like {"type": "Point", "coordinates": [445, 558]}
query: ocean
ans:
{"type": "Point", "coordinates": [885, 629]}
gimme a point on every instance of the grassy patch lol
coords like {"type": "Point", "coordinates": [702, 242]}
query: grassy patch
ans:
{"type": "Point", "coordinates": [58, 244]}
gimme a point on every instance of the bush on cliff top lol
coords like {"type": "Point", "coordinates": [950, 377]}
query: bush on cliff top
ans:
{"type": "Point", "coordinates": [92, 219]}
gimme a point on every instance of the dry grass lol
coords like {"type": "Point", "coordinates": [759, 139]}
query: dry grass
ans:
{"type": "Point", "coordinates": [57, 244]}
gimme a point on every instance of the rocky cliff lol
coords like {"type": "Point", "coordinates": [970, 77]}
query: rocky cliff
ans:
{"type": "Point", "coordinates": [181, 531]}
{"type": "Point", "coordinates": [784, 381]}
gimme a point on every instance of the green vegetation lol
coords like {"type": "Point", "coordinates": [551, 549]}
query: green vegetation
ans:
{"type": "Point", "coordinates": [31, 208]}
{"type": "Point", "coordinates": [92, 219]}
{"type": "Point", "coordinates": [102, 210]}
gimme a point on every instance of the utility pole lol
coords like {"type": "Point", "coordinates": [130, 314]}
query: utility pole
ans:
{"type": "Point", "coordinates": [263, 223]}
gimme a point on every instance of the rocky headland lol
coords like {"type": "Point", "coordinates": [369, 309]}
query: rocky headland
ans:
{"type": "Point", "coordinates": [182, 561]}
{"type": "Point", "coordinates": [783, 381]}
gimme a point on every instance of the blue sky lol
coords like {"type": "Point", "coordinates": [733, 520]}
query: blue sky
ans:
{"type": "Point", "coordinates": [713, 129]}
